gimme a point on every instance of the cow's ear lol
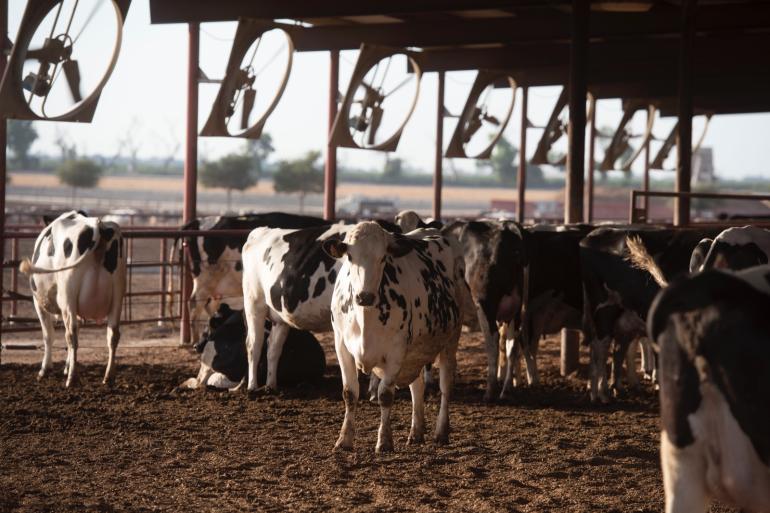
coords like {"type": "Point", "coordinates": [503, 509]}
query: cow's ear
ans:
{"type": "Point", "coordinates": [400, 246]}
{"type": "Point", "coordinates": [334, 248]}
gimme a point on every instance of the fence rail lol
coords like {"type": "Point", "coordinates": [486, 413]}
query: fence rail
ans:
{"type": "Point", "coordinates": [638, 214]}
{"type": "Point", "coordinates": [166, 266]}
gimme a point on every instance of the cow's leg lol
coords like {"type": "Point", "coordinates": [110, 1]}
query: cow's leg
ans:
{"type": "Point", "coordinates": [349, 393]}
{"type": "Point", "coordinates": [618, 375]}
{"type": "Point", "coordinates": [491, 340]}
{"type": "Point", "coordinates": [631, 376]}
{"type": "Point", "coordinates": [417, 432]}
{"type": "Point", "coordinates": [274, 349]}
{"type": "Point", "coordinates": [598, 386]}
{"type": "Point", "coordinates": [648, 359]}
{"type": "Point", "coordinates": [447, 363]}
{"type": "Point", "coordinates": [113, 333]}
{"type": "Point", "coordinates": [430, 383]}
{"type": "Point", "coordinates": [197, 304]}
{"type": "Point", "coordinates": [512, 354]}
{"type": "Point", "coordinates": [530, 352]}
{"type": "Point", "coordinates": [386, 394]}
{"type": "Point", "coordinates": [46, 323]}
{"type": "Point", "coordinates": [684, 477]}
{"type": "Point", "coordinates": [502, 360]}
{"type": "Point", "coordinates": [255, 312]}
{"type": "Point", "coordinates": [71, 336]}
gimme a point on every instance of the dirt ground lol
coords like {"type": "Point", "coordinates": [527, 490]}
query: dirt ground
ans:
{"type": "Point", "coordinates": [146, 446]}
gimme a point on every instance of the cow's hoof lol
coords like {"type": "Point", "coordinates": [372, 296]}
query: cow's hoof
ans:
{"type": "Point", "coordinates": [72, 383]}
{"type": "Point", "coordinates": [343, 445]}
{"type": "Point", "coordinates": [41, 375]}
{"type": "Point", "coordinates": [441, 439]}
{"type": "Point", "coordinates": [384, 447]}
{"type": "Point", "coordinates": [415, 439]}
{"type": "Point", "coordinates": [253, 393]}
{"type": "Point", "coordinates": [270, 391]}
{"type": "Point", "coordinates": [489, 396]}
{"type": "Point", "coordinates": [109, 382]}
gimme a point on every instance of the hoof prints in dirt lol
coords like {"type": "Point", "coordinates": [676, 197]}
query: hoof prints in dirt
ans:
{"type": "Point", "coordinates": [143, 446]}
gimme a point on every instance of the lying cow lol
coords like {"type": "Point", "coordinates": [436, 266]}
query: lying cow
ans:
{"type": "Point", "coordinates": [397, 306]}
{"type": "Point", "coordinates": [77, 271]}
{"type": "Point", "coordinates": [223, 354]}
{"type": "Point", "coordinates": [713, 331]}
{"type": "Point", "coordinates": [215, 262]}
{"type": "Point", "coordinates": [287, 279]}
{"type": "Point", "coordinates": [495, 259]}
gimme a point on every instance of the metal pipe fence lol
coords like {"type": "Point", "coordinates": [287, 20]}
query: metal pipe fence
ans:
{"type": "Point", "coordinates": [638, 214]}
{"type": "Point", "coordinates": [172, 260]}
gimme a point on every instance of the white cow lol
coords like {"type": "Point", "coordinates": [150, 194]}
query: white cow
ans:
{"type": "Point", "coordinates": [288, 279]}
{"type": "Point", "coordinates": [397, 306]}
{"type": "Point", "coordinates": [78, 271]}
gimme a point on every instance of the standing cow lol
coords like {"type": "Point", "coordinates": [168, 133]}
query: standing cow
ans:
{"type": "Point", "coordinates": [288, 279]}
{"type": "Point", "coordinates": [77, 271]}
{"type": "Point", "coordinates": [495, 261]}
{"type": "Point", "coordinates": [713, 331]}
{"type": "Point", "coordinates": [397, 305]}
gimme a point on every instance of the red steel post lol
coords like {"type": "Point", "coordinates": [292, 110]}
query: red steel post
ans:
{"type": "Point", "coordinates": [330, 166]}
{"type": "Point", "coordinates": [438, 170]}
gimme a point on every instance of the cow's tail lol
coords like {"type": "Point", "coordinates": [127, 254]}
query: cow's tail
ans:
{"type": "Point", "coordinates": [28, 268]}
{"type": "Point", "coordinates": [641, 259]}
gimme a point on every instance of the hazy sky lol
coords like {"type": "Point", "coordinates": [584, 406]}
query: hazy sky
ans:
{"type": "Point", "coordinates": [146, 95]}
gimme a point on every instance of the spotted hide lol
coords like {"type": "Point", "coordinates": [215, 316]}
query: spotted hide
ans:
{"type": "Point", "coordinates": [215, 262]}
{"type": "Point", "coordinates": [77, 271]}
{"type": "Point", "coordinates": [224, 363]}
{"type": "Point", "coordinates": [288, 279]}
{"type": "Point", "coordinates": [738, 248]}
{"type": "Point", "coordinates": [713, 332]}
{"type": "Point", "coordinates": [618, 295]}
{"type": "Point", "coordinates": [495, 258]}
{"type": "Point", "coordinates": [397, 306]}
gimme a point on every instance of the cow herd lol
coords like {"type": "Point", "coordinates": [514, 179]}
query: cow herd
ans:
{"type": "Point", "coordinates": [397, 295]}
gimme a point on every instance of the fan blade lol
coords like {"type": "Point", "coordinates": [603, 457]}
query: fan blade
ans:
{"type": "Point", "coordinates": [72, 74]}
{"type": "Point", "coordinates": [249, 97]}
{"type": "Point", "coordinates": [491, 119]}
{"type": "Point", "coordinates": [448, 114]}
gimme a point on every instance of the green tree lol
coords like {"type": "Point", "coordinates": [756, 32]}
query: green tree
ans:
{"type": "Point", "coordinates": [231, 172]}
{"type": "Point", "coordinates": [21, 136]}
{"type": "Point", "coordinates": [78, 173]}
{"type": "Point", "coordinates": [504, 164]}
{"type": "Point", "coordinates": [301, 176]}
{"type": "Point", "coordinates": [259, 150]}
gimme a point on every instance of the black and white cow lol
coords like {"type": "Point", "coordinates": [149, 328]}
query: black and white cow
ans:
{"type": "Point", "coordinates": [215, 262]}
{"type": "Point", "coordinates": [224, 363]}
{"type": "Point", "coordinates": [77, 271]}
{"type": "Point", "coordinates": [738, 248]}
{"type": "Point", "coordinates": [713, 334]}
{"type": "Point", "coordinates": [287, 279]}
{"type": "Point", "coordinates": [409, 220]}
{"type": "Point", "coordinates": [618, 294]}
{"type": "Point", "coordinates": [495, 259]}
{"type": "Point", "coordinates": [397, 306]}
{"type": "Point", "coordinates": [553, 295]}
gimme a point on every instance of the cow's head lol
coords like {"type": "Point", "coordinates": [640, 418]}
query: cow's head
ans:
{"type": "Point", "coordinates": [408, 220]}
{"type": "Point", "coordinates": [366, 248]}
{"type": "Point", "coordinates": [698, 255]}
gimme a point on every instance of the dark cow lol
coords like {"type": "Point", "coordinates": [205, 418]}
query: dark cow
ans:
{"type": "Point", "coordinates": [77, 271]}
{"type": "Point", "coordinates": [215, 262]}
{"type": "Point", "coordinates": [287, 279]}
{"type": "Point", "coordinates": [618, 295]}
{"type": "Point", "coordinates": [397, 306]}
{"type": "Point", "coordinates": [713, 332]}
{"type": "Point", "coordinates": [495, 256]}
{"type": "Point", "coordinates": [224, 363]}
{"type": "Point", "coordinates": [553, 297]}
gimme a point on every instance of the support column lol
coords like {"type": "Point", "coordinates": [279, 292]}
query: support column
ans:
{"type": "Point", "coordinates": [190, 169]}
{"type": "Point", "coordinates": [646, 179]}
{"type": "Point", "coordinates": [573, 200]}
{"type": "Point", "coordinates": [589, 218]}
{"type": "Point", "coordinates": [330, 166]}
{"type": "Point", "coordinates": [3, 142]}
{"type": "Point", "coordinates": [685, 110]}
{"type": "Point", "coordinates": [438, 170]}
{"type": "Point", "coordinates": [521, 178]}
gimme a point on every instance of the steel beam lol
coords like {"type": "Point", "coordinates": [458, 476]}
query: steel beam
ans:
{"type": "Point", "coordinates": [685, 112]}
{"type": "Point", "coordinates": [438, 170]}
{"type": "Point", "coordinates": [578, 88]}
{"type": "Point", "coordinates": [330, 165]}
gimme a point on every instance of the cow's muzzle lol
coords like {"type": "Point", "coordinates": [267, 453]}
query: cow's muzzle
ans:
{"type": "Point", "coordinates": [364, 299]}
